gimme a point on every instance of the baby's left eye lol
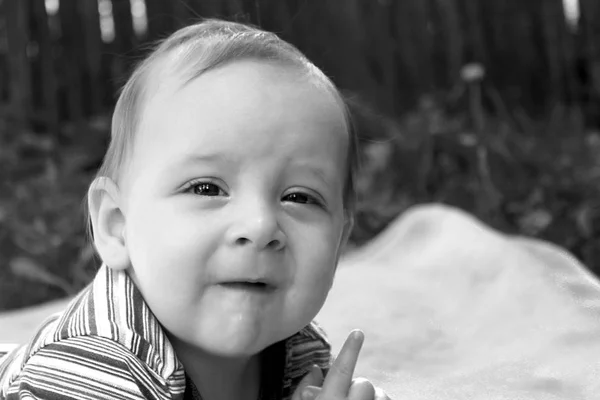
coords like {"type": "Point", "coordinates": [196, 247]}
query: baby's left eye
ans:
{"type": "Point", "coordinates": [207, 189]}
{"type": "Point", "coordinates": [301, 198]}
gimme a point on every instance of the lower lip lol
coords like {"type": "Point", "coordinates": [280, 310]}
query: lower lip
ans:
{"type": "Point", "coordinates": [248, 287]}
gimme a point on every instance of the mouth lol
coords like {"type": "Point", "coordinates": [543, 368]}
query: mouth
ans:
{"type": "Point", "coordinates": [249, 286]}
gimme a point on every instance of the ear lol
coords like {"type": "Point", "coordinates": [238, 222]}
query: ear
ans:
{"type": "Point", "coordinates": [348, 225]}
{"type": "Point", "coordinates": [346, 231]}
{"type": "Point", "coordinates": [108, 223]}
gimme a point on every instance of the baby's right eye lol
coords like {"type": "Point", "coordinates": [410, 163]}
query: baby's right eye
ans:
{"type": "Point", "coordinates": [205, 189]}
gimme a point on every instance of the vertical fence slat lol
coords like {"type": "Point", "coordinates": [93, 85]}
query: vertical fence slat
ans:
{"type": "Point", "coordinates": [537, 71]}
{"type": "Point", "coordinates": [3, 53]}
{"type": "Point", "coordinates": [474, 31]}
{"type": "Point", "coordinates": [500, 38]}
{"type": "Point", "coordinates": [566, 50]}
{"type": "Point", "coordinates": [423, 29]}
{"type": "Point", "coordinates": [408, 32]}
{"type": "Point", "coordinates": [71, 65]}
{"type": "Point", "coordinates": [46, 67]}
{"type": "Point", "coordinates": [93, 54]}
{"type": "Point", "coordinates": [450, 41]}
{"type": "Point", "coordinates": [384, 52]}
{"type": "Point", "coordinates": [19, 72]}
{"type": "Point", "coordinates": [206, 8]}
{"type": "Point", "coordinates": [160, 18]}
{"type": "Point", "coordinates": [357, 42]}
{"type": "Point", "coordinates": [125, 40]}
{"type": "Point", "coordinates": [403, 50]}
{"type": "Point", "coordinates": [280, 19]}
{"type": "Point", "coordinates": [590, 26]}
{"type": "Point", "coordinates": [183, 13]}
{"type": "Point", "coordinates": [553, 28]}
{"type": "Point", "coordinates": [349, 47]}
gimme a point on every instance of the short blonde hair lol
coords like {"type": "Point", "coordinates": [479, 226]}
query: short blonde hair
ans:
{"type": "Point", "coordinates": [199, 48]}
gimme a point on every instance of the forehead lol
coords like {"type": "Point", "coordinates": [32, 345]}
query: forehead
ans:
{"type": "Point", "coordinates": [242, 100]}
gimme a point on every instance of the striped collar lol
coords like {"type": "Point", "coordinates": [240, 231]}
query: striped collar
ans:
{"type": "Point", "coordinates": [112, 307]}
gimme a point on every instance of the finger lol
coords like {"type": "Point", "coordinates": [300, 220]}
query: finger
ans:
{"type": "Point", "coordinates": [311, 392]}
{"type": "Point", "coordinates": [361, 389]}
{"type": "Point", "coordinates": [313, 378]}
{"type": "Point", "coordinates": [380, 394]}
{"type": "Point", "coordinates": [338, 381]}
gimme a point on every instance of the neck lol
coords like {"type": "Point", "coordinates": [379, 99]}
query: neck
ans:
{"type": "Point", "coordinates": [218, 377]}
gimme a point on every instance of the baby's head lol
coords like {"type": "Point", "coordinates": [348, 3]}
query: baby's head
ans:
{"type": "Point", "coordinates": [227, 191]}
{"type": "Point", "coordinates": [195, 50]}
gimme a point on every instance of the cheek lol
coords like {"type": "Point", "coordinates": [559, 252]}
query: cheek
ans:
{"type": "Point", "coordinates": [319, 250]}
{"type": "Point", "coordinates": [315, 274]}
{"type": "Point", "coordinates": [165, 254]}
{"type": "Point", "coordinates": [159, 235]}
{"type": "Point", "coordinates": [309, 297]}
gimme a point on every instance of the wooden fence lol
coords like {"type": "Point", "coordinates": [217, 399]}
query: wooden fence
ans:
{"type": "Point", "coordinates": [55, 66]}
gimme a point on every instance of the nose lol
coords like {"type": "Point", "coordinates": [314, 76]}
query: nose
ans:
{"type": "Point", "coordinates": [256, 225]}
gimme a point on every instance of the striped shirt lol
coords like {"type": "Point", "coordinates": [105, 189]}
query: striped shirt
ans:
{"type": "Point", "coordinates": [107, 344]}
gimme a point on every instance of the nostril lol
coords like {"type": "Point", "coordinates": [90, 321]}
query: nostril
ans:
{"type": "Point", "coordinates": [274, 244]}
{"type": "Point", "coordinates": [242, 241]}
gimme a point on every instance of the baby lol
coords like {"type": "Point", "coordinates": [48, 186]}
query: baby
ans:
{"type": "Point", "coordinates": [219, 213]}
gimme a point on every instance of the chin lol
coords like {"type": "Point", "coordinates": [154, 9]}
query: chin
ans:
{"type": "Point", "coordinates": [235, 352]}
{"type": "Point", "coordinates": [233, 346]}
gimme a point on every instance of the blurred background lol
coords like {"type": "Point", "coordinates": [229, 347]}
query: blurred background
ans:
{"type": "Point", "coordinates": [491, 106]}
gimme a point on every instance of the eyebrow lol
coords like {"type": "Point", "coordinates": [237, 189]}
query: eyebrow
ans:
{"type": "Point", "coordinates": [194, 158]}
{"type": "Point", "coordinates": [318, 172]}
{"type": "Point", "coordinates": [191, 159]}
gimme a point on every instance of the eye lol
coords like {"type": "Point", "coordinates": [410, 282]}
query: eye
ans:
{"type": "Point", "coordinates": [205, 189]}
{"type": "Point", "coordinates": [302, 198]}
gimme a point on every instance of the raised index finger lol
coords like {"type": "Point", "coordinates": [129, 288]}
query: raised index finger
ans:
{"type": "Point", "coordinates": [338, 381]}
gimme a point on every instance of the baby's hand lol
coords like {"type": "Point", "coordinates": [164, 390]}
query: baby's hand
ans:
{"type": "Point", "coordinates": [339, 384]}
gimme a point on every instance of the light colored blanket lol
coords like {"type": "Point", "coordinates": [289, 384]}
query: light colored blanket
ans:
{"type": "Point", "coordinates": [454, 310]}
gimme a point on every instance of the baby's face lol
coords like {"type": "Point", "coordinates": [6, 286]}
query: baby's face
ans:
{"type": "Point", "coordinates": [234, 206]}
